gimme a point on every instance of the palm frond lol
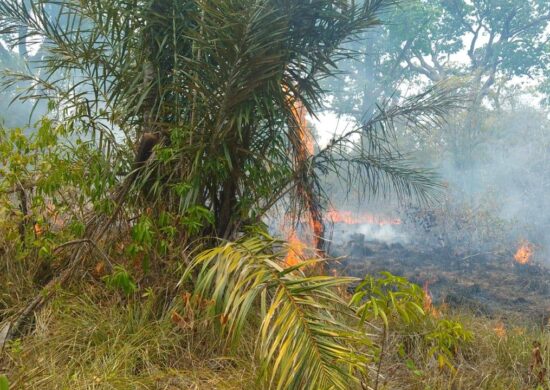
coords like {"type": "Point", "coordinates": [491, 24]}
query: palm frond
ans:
{"type": "Point", "coordinates": [303, 341]}
{"type": "Point", "coordinates": [368, 154]}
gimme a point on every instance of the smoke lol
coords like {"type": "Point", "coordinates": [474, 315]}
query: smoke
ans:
{"type": "Point", "coordinates": [390, 234]}
{"type": "Point", "coordinates": [497, 187]}
{"type": "Point", "coordinates": [507, 173]}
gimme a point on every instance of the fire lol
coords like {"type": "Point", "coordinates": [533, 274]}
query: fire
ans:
{"type": "Point", "coordinates": [295, 250]}
{"type": "Point", "coordinates": [429, 308]}
{"type": "Point", "coordinates": [350, 218]}
{"type": "Point", "coordinates": [304, 149]}
{"type": "Point", "coordinates": [524, 253]}
{"type": "Point", "coordinates": [500, 330]}
{"type": "Point", "coordinates": [299, 112]}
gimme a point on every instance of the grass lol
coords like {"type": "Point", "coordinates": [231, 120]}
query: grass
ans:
{"type": "Point", "coordinates": [90, 337]}
{"type": "Point", "coordinates": [80, 342]}
{"type": "Point", "coordinates": [99, 340]}
{"type": "Point", "coordinates": [500, 357]}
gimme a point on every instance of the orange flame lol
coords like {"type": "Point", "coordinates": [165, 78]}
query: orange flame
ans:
{"type": "Point", "coordinates": [295, 250]}
{"type": "Point", "coordinates": [304, 149]}
{"type": "Point", "coordinates": [524, 253]}
{"type": "Point", "coordinates": [500, 330]}
{"type": "Point", "coordinates": [429, 308]}
{"type": "Point", "coordinates": [299, 112]}
{"type": "Point", "coordinates": [349, 218]}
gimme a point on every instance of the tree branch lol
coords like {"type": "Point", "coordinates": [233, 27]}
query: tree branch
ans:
{"type": "Point", "coordinates": [473, 43]}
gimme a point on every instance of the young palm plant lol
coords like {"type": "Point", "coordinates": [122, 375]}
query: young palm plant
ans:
{"type": "Point", "coordinates": [216, 82]}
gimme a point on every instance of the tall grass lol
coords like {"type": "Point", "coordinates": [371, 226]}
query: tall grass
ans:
{"type": "Point", "coordinates": [84, 342]}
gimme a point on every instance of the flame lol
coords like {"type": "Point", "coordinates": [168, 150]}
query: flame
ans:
{"type": "Point", "coordinates": [349, 218]}
{"type": "Point", "coordinates": [295, 250]}
{"type": "Point", "coordinates": [429, 308]}
{"type": "Point", "coordinates": [299, 112]}
{"type": "Point", "coordinates": [500, 330]}
{"type": "Point", "coordinates": [524, 253]}
{"type": "Point", "coordinates": [304, 149]}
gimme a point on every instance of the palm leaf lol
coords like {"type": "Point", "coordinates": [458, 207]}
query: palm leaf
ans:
{"type": "Point", "coordinates": [303, 341]}
{"type": "Point", "coordinates": [367, 155]}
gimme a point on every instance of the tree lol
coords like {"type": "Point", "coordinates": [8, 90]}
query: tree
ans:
{"type": "Point", "coordinates": [222, 99]}
{"type": "Point", "coordinates": [489, 44]}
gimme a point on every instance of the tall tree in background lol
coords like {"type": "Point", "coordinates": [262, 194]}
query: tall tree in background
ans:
{"type": "Point", "coordinates": [489, 44]}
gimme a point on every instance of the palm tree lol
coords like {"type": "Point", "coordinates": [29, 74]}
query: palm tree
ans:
{"type": "Point", "coordinates": [216, 80]}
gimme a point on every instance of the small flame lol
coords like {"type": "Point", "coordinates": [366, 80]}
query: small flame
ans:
{"type": "Point", "coordinates": [524, 253]}
{"type": "Point", "coordinates": [295, 250]}
{"type": "Point", "coordinates": [500, 330]}
{"type": "Point", "coordinates": [349, 218]}
{"type": "Point", "coordinates": [429, 308]}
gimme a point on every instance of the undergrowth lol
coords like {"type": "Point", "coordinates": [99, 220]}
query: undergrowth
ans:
{"type": "Point", "coordinates": [92, 337]}
{"type": "Point", "coordinates": [90, 341]}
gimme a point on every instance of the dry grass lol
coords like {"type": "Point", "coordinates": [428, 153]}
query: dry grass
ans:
{"type": "Point", "coordinates": [93, 341]}
{"type": "Point", "coordinates": [500, 357]}
{"type": "Point", "coordinates": [92, 338]}
{"type": "Point", "coordinates": [82, 343]}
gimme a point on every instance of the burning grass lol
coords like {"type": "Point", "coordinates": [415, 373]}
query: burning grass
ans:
{"type": "Point", "coordinates": [524, 253]}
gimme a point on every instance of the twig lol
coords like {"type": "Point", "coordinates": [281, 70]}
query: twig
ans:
{"type": "Point", "coordinates": [86, 241]}
{"type": "Point", "coordinates": [379, 366]}
{"type": "Point", "coordinates": [46, 292]}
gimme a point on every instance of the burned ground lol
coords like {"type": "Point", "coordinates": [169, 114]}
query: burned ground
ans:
{"type": "Point", "coordinates": [492, 284]}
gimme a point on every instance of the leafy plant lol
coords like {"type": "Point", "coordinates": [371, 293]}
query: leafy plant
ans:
{"type": "Point", "coordinates": [122, 280]}
{"type": "Point", "coordinates": [445, 339]}
{"type": "Point", "coordinates": [399, 304]}
{"type": "Point", "coordinates": [4, 383]}
{"type": "Point", "coordinates": [391, 298]}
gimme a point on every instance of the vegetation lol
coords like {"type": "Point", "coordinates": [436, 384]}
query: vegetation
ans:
{"type": "Point", "coordinates": [131, 265]}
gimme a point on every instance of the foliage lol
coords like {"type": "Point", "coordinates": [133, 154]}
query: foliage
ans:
{"type": "Point", "coordinates": [390, 298]}
{"type": "Point", "coordinates": [402, 304]}
{"type": "Point", "coordinates": [485, 41]}
{"type": "Point", "coordinates": [120, 279]}
{"type": "Point", "coordinates": [4, 383]}
{"type": "Point", "coordinates": [223, 99]}
{"type": "Point", "coordinates": [302, 340]}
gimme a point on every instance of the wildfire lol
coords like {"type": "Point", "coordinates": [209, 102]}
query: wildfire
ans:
{"type": "Point", "coordinates": [295, 250]}
{"type": "Point", "coordinates": [350, 218]}
{"type": "Point", "coordinates": [524, 253]}
{"type": "Point", "coordinates": [429, 308]}
{"type": "Point", "coordinates": [304, 149]}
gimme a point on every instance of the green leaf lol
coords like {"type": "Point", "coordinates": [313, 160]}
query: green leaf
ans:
{"type": "Point", "coordinates": [4, 383]}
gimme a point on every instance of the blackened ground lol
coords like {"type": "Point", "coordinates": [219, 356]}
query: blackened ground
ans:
{"type": "Point", "coordinates": [491, 283]}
